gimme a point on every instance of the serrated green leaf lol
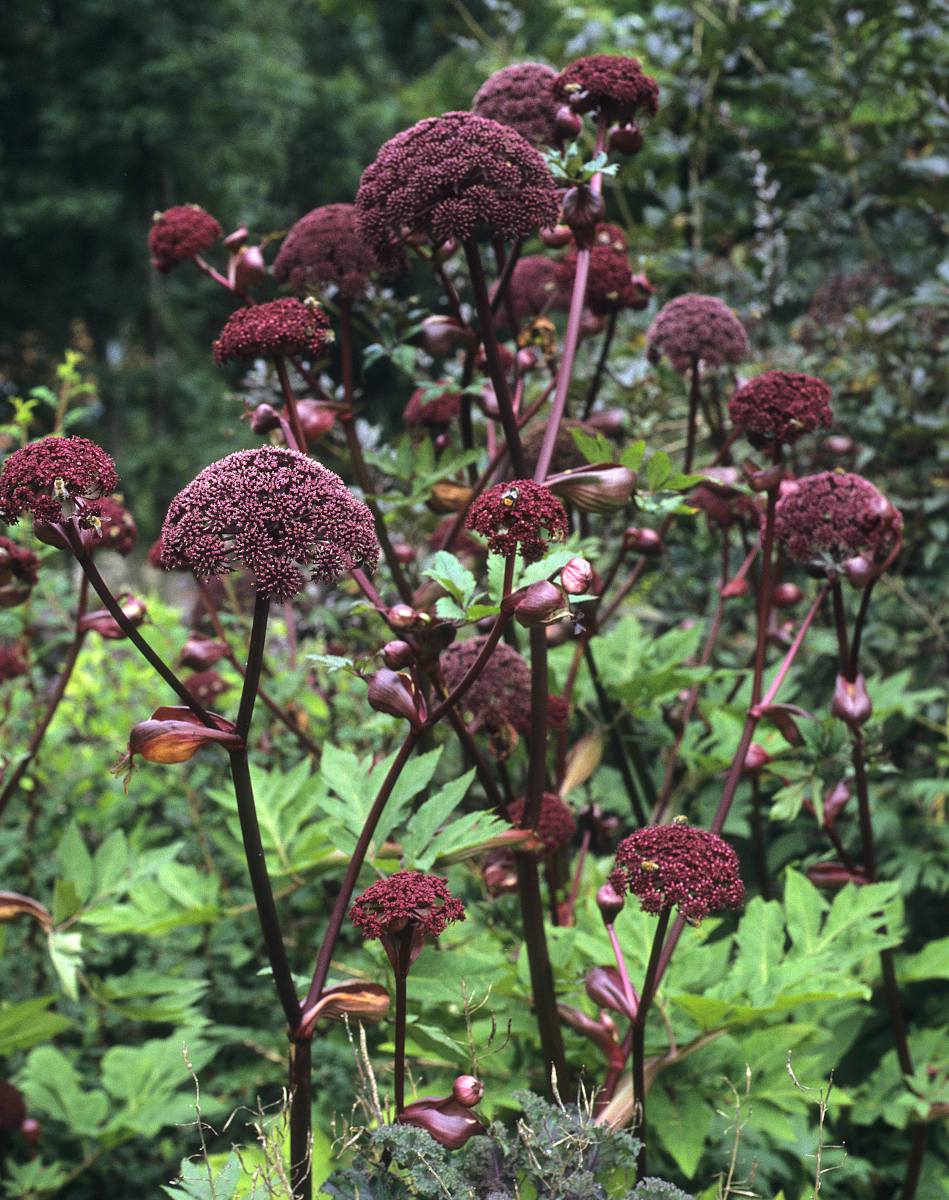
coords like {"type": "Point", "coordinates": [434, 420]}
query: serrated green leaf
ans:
{"type": "Point", "coordinates": [632, 456]}
{"type": "Point", "coordinates": [75, 861]}
{"type": "Point", "coordinates": [110, 862]}
{"type": "Point", "coordinates": [453, 576]}
{"type": "Point", "coordinates": [420, 845]}
{"type": "Point", "coordinates": [24, 1025]}
{"type": "Point", "coordinates": [53, 1086]}
{"type": "Point", "coordinates": [658, 470]}
{"type": "Point", "coordinates": [595, 448]}
{"type": "Point", "coordinates": [65, 952]}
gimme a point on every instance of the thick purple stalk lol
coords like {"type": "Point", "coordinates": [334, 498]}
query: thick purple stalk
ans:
{"type": "Point", "coordinates": [291, 402]}
{"type": "Point", "coordinates": [650, 983]}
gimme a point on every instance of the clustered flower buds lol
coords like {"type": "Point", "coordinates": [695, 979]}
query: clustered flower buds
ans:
{"type": "Point", "coordinates": [275, 511]}
{"type": "Point", "coordinates": [537, 285]}
{"type": "Point", "coordinates": [116, 525]}
{"type": "Point", "coordinates": [500, 695]}
{"type": "Point", "coordinates": [611, 85]}
{"type": "Point", "coordinates": [323, 249]}
{"type": "Point", "coordinates": [521, 516]}
{"type": "Point", "coordinates": [179, 234]}
{"type": "Point", "coordinates": [50, 477]}
{"type": "Point", "coordinates": [446, 177]}
{"type": "Point", "coordinates": [432, 407]}
{"type": "Point", "coordinates": [696, 328]}
{"type": "Point", "coordinates": [448, 1119]}
{"type": "Point", "coordinates": [776, 408]}
{"type": "Point", "coordinates": [521, 96]}
{"type": "Point", "coordinates": [612, 286]}
{"type": "Point", "coordinates": [555, 825]}
{"type": "Point", "coordinates": [280, 327]}
{"type": "Point", "coordinates": [835, 518]}
{"type": "Point", "coordinates": [677, 864]}
{"type": "Point", "coordinates": [402, 910]}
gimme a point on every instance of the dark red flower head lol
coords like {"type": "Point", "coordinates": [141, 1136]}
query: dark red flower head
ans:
{"type": "Point", "coordinates": [323, 249]}
{"type": "Point", "coordinates": [611, 285]}
{"type": "Point", "coordinates": [42, 476]}
{"type": "Point", "coordinates": [556, 824]}
{"type": "Point", "coordinates": [677, 864]}
{"type": "Point", "coordinates": [835, 516]}
{"type": "Point", "coordinates": [448, 176]}
{"type": "Point", "coordinates": [519, 516]}
{"type": "Point", "coordinates": [696, 327]}
{"type": "Point", "coordinates": [428, 406]}
{"type": "Point", "coordinates": [280, 327]}
{"type": "Point", "coordinates": [19, 572]}
{"type": "Point", "coordinates": [538, 285]}
{"type": "Point", "coordinates": [180, 233]}
{"type": "Point", "coordinates": [12, 663]}
{"type": "Point", "coordinates": [611, 85]}
{"type": "Point", "coordinates": [521, 96]}
{"type": "Point", "coordinates": [501, 693]}
{"type": "Point", "coordinates": [403, 899]}
{"type": "Point", "coordinates": [777, 407]}
{"type": "Point", "coordinates": [275, 511]}
{"type": "Point", "coordinates": [117, 529]}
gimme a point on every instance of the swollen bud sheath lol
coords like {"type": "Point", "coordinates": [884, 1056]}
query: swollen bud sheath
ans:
{"type": "Point", "coordinates": [394, 693]}
{"type": "Point", "coordinates": [610, 903]}
{"type": "Point", "coordinates": [540, 604]}
{"type": "Point", "coordinates": [851, 703]}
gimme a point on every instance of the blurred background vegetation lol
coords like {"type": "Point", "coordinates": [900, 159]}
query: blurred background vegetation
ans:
{"type": "Point", "coordinates": [796, 139]}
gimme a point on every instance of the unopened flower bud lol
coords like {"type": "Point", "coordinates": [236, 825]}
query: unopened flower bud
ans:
{"type": "Point", "coordinates": [556, 237]}
{"type": "Point", "coordinates": [404, 553]}
{"type": "Point", "coordinates": [834, 803]}
{"type": "Point", "coordinates": [444, 252]}
{"type": "Point", "coordinates": [238, 238]}
{"type": "Point", "coordinates": [610, 903]}
{"type": "Point", "coordinates": [839, 445]}
{"type": "Point", "coordinates": [402, 616]}
{"type": "Point", "coordinates": [765, 480]}
{"type": "Point", "coordinates": [583, 209]}
{"type": "Point", "coordinates": [101, 621]}
{"type": "Point", "coordinates": [467, 1090]}
{"type": "Point", "coordinates": [756, 758]}
{"type": "Point", "coordinates": [612, 422]}
{"type": "Point", "coordinates": [540, 604]}
{"type": "Point", "coordinates": [31, 1131]}
{"type": "Point", "coordinates": [397, 654]}
{"type": "Point", "coordinates": [646, 542]}
{"type": "Point", "coordinates": [394, 693]}
{"type": "Point", "coordinates": [317, 419]}
{"type": "Point", "coordinates": [860, 571]}
{"type": "Point", "coordinates": [199, 652]}
{"type": "Point", "coordinates": [567, 123]}
{"type": "Point", "coordinates": [440, 335]}
{"type": "Point", "coordinates": [173, 734]}
{"type": "Point", "coordinates": [448, 497]}
{"type": "Point", "coordinates": [249, 269]}
{"type": "Point", "coordinates": [851, 703]}
{"type": "Point", "coordinates": [786, 595]}
{"type": "Point", "coordinates": [559, 632]}
{"type": "Point", "coordinates": [451, 1124]}
{"type": "Point", "coordinates": [527, 360]}
{"type": "Point", "coordinates": [627, 139]}
{"type": "Point", "coordinates": [499, 872]}
{"type": "Point", "coordinates": [576, 577]}
{"type": "Point", "coordinates": [596, 489]}
{"type": "Point", "coordinates": [605, 988]}
{"type": "Point", "coordinates": [264, 418]}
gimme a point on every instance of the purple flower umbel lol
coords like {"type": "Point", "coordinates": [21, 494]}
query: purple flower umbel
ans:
{"type": "Point", "coordinates": [837, 515]}
{"type": "Point", "coordinates": [677, 864]}
{"type": "Point", "coordinates": [406, 898]}
{"type": "Point", "coordinates": [776, 408]}
{"type": "Point", "coordinates": [448, 176]}
{"type": "Point", "coordinates": [696, 327]}
{"type": "Point", "coordinates": [179, 233]}
{"type": "Point", "coordinates": [275, 511]}
{"type": "Point", "coordinates": [280, 327]}
{"type": "Point", "coordinates": [611, 85]}
{"type": "Point", "coordinates": [323, 249]}
{"type": "Point", "coordinates": [519, 516]}
{"type": "Point", "coordinates": [43, 476]}
{"type": "Point", "coordinates": [556, 824]}
{"type": "Point", "coordinates": [521, 96]}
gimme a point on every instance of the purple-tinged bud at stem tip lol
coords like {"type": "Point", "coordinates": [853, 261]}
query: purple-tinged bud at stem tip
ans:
{"type": "Point", "coordinates": [598, 489]}
{"type": "Point", "coordinates": [576, 577]}
{"type": "Point", "coordinates": [582, 209]}
{"type": "Point", "coordinates": [627, 139]}
{"type": "Point", "coordinates": [394, 693]}
{"type": "Point", "coordinates": [440, 335]}
{"type": "Point", "coordinates": [402, 616]}
{"type": "Point", "coordinates": [756, 759]}
{"type": "Point", "coordinates": [540, 604]}
{"type": "Point", "coordinates": [851, 703]}
{"type": "Point", "coordinates": [467, 1090]}
{"type": "Point", "coordinates": [786, 595]}
{"type": "Point", "coordinates": [567, 123]}
{"type": "Point", "coordinates": [264, 418]}
{"type": "Point", "coordinates": [397, 654]}
{"type": "Point", "coordinates": [643, 541]}
{"type": "Point", "coordinates": [556, 237]}
{"type": "Point", "coordinates": [605, 988]}
{"type": "Point", "coordinates": [31, 1131]}
{"type": "Point", "coordinates": [200, 653]}
{"type": "Point", "coordinates": [247, 269]}
{"type": "Point", "coordinates": [451, 1124]}
{"type": "Point", "coordinates": [860, 571]}
{"type": "Point", "coordinates": [834, 875]}
{"type": "Point", "coordinates": [101, 621]}
{"type": "Point", "coordinates": [610, 903]}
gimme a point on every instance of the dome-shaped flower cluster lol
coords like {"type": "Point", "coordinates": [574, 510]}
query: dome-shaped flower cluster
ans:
{"type": "Point", "coordinates": [696, 327]}
{"type": "Point", "coordinates": [448, 176]}
{"type": "Point", "coordinates": [776, 408]}
{"type": "Point", "coordinates": [179, 233]}
{"type": "Point", "coordinates": [521, 96]}
{"type": "Point", "coordinates": [275, 511]}
{"type": "Point", "coordinates": [611, 85]}
{"type": "Point", "coordinates": [323, 249]}
{"type": "Point", "coordinates": [556, 824]}
{"type": "Point", "coordinates": [433, 408]}
{"type": "Point", "coordinates": [41, 476]}
{"type": "Point", "coordinates": [501, 694]}
{"type": "Point", "coordinates": [407, 898]}
{"type": "Point", "coordinates": [611, 285]}
{"type": "Point", "coordinates": [537, 285]}
{"type": "Point", "coordinates": [519, 516]}
{"type": "Point", "coordinates": [280, 327]}
{"type": "Point", "coordinates": [837, 515]}
{"type": "Point", "coordinates": [117, 529]}
{"type": "Point", "coordinates": [678, 865]}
